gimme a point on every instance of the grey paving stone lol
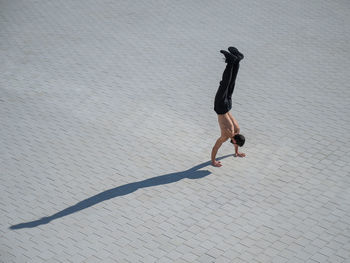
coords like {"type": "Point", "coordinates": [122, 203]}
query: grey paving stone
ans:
{"type": "Point", "coordinates": [206, 259]}
{"type": "Point", "coordinates": [223, 260]}
{"type": "Point", "coordinates": [188, 257]}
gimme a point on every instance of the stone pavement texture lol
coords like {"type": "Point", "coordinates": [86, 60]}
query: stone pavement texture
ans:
{"type": "Point", "coordinates": [107, 124]}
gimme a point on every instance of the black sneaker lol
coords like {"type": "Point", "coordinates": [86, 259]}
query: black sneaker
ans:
{"type": "Point", "coordinates": [229, 57]}
{"type": "Point", "coordinates": [235, 52]}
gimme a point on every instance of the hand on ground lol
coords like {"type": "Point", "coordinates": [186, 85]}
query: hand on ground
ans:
{"type": "Point", "coordinates": [216, 164]}
{"type": "Point", "coordinates": [240, 154]}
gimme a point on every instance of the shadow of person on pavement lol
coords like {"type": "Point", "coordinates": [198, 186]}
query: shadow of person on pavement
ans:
{"type": "Point", "coordinates": [193, 173]}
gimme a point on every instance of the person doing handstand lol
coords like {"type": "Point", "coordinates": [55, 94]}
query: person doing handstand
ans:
{"type": "Point", "coordinates": [223, 103]}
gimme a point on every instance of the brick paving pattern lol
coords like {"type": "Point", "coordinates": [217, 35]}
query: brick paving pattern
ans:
{"type": "Point", "coordinates": [107, 123]}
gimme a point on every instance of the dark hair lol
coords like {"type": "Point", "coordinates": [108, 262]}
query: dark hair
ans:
{"type": "Point", "coordinates": [240, 140]}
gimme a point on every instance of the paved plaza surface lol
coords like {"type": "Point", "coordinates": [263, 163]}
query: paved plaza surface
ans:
{"type": "Point", "coordinates": [107, 124]}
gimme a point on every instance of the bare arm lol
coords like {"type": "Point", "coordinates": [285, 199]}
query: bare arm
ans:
{"type": "Point", "coordinates": [215, 149]}
{"type": "Point", "coordinates": [235, 124]}
{"type": "Point", "coordinates": [236, 131]}
{"type": "Point", "coordinates": [236, 146]}
{"type": "Point", "coordinates": [238, 153]}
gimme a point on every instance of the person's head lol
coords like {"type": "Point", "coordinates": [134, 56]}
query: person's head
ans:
{"type": "Point", "coordinates": [238, 139]}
